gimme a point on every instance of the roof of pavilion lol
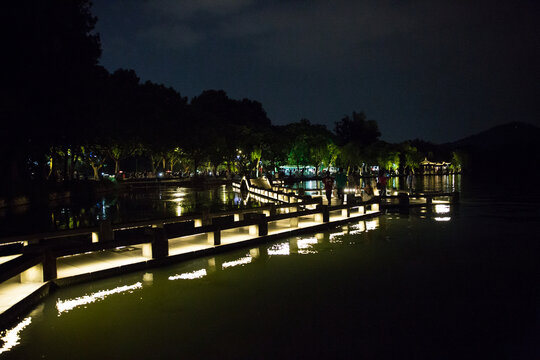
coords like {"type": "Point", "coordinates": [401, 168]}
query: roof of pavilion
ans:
{"type": "Point", "coordinates": [426, 162]}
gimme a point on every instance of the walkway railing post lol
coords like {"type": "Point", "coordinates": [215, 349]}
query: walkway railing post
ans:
{"type": "Point", "coordinates": [160, 244]}
{"type": "Point", "coordinates": [323, 215]}
{"type": "Point", "coordinates": [263, 226]}
{"type": "Point", "coordinates": [49, 266]}
{"type": "Point", "coordinates": [214, 237]}
{"type": "Point", "coordinates": [105, 231]}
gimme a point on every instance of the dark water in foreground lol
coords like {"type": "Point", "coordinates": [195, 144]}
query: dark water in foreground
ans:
{"type": "Point", "coordinates": [461, 282]}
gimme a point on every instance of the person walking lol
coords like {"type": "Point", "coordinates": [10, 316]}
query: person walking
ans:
{"type": "Point", "coordinates": [328, 182]}
{"type": "Point", "coordinates": [382, 183]}
{"type": "Point", "coordinates": [341, 181]}
{"type": "Point", "coordinates": [410, 181]}
{"type": "Point", "coordinates": [368, 192]}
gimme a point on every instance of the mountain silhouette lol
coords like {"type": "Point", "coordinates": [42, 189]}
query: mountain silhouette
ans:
{"type": "Point", "coordinates": [508, 148]}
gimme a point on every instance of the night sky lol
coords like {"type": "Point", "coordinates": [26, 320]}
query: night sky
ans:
{"type": "Point", "coordinates": [436, 70]}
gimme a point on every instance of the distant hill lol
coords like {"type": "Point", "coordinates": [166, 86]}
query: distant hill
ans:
{"type": "Point", "coordinates": [510, 134]}
{"type": "Point", "coordinates": [512, 147]}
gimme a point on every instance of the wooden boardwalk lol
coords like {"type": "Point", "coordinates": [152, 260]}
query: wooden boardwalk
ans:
{"type": "Point", "coordinates": [31, 265]}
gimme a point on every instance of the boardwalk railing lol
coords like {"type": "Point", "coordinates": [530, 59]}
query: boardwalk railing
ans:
{"type": "Point", "coordinates": [40, 258]}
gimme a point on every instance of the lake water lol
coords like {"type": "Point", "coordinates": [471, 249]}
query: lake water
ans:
{"type": "Point", "coordinates": [121, 207]}
{"type": "Point", "coordinates": [157, 203]}
{"type": "Point", "coordinates": [459, 282]}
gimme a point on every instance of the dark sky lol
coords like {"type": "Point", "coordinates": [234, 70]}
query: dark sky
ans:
{"type": "Point", "coordinates": [436, 70]}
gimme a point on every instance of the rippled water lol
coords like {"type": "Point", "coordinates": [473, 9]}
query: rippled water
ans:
{"type": "Point", "coordinates": [445, 183]}
{"type": "Point", "coordinates": [157, 203]}
{"type": "Point", "coordinates": [122, 207]}
{"type": "Point", "coordinates": [458, 282]}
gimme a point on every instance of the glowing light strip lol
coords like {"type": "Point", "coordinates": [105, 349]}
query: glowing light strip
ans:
{"type": "Point", "coordinates": [306, 243]}
{"type": "Point", "coordinates": [241, 261]}
{"type": "Point", "coordinates": [442, 209]}
{"type": "Point", "coordinates": [279, 249]}
{"type": "Point", "coordinates": [11, 337]}
{"type": "Point", "coordinates": [66, 305]}
{"type": "Point", "coordinates": [305, 246]}
{"type": "Point", "coordinates": [335, 235]}
{"type": "Point", "coordinates": [442, 218]}
{"type": "Point", "coordinates": [190, 275]}
{"type": "Point", "coordinates": [372, 224]}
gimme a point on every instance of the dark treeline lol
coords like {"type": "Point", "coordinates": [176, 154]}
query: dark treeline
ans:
{"type": "Point", "coordinates": [65, 117]}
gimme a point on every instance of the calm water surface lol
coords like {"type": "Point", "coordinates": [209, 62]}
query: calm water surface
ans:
{"type": "Point", "coordinates": [459, 282]}
{"type": "Point", "coordinates": [125, 207]}
{"type": "Point", "coordinates": [157, 203]}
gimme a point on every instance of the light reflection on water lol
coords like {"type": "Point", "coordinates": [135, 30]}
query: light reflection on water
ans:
{"type": "Point", "coordinates": [154, 204]}
{"type": "Point", "coordinates": [69, 304]}
{"type": "Point", "coordinates": [280, 249]}
{"type": "Point", "coordinates": [306, 245]}
{"type": "Point", "coordinates": [242, 261]}
{"type": "Point", "coordinates": [10, 338]}
{"type": "Point", "coordinates": [197, 274]}
{"type": "Point", "coordinates": [443, 183]}
{"type": "Point", "coordinates": [316, 245]}
{"type": "Point", "coordinates": [122, 207]}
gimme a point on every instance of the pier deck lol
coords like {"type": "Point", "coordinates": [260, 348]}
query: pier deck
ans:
{"type": "Point", "coordinates": [110, 250]}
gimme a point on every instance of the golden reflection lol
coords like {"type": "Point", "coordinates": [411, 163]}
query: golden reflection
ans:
{"type": "Point", "coordinates": [148, 278]}
{"type": "Point", "coordinates": [280, 249]}
{"type": "Point", "coordinates": [224, 194]}
{"type": "Point", "coordinates": [440, 218]}
{"type": "Point", "coordinates": [179, 193]}
{"type": "Point", "coordinates": [442, 208]}
{"type": "Point", "coordinates": [241, 261]}
{"type": "Point", "coordinates": [197, 274]}
{"type": "Point", "coordinates": [11, 338]}
{"type": "Point", "coordinates": [305, 246]}
{"type": "Point", "coordinates": [255, 253]}
{"type": "Point", "coordinates": [178, 210]}
{"type": "Point", "coordinates": [336, 237]}
{"type": "Point", "coordinates": [66, 305]}
{"type": "Point", "coordinates": [357, 228]}
{"type": "Point", "coordinates": [372, 224]}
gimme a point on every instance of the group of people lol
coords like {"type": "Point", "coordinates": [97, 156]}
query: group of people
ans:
{"type": "Point", "coordinates": [340, 183]}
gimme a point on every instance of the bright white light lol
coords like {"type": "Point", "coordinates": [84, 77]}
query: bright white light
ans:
{"type": "Point", "coordinates": [10, 338]}
{"type": "Point", "coordinates": [306, 243]}
{"type": "Point", "coordinates": [372, 224]}
{"type": "Point", "coordinates": [241, 261]}
{"type": "Point", "coordinates": [279, 249]}
{"type": "Point", "coordinates": [66, 305]}
{"type": "Point", "coordinates": [448, 218]}
{"type": "Point", "coordinates": [335, 236]}
{"type": "Point", "coordinates": [305, 246]}
{"type": "Point", "coordinates": [442, 209]}
{"type": "Point", "coordinates": [179, 193]}
{"type": "Point", "coordinates": [190, 275]}
{"type": "Point", "coordinates": [357, 228]}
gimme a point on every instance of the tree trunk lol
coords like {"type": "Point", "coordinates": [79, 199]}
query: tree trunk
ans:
{"type": "Point", "coordinates": [66, 164]}
{"type": "Point", "coordinates": [96, 170]}
{"type": "Point", "coordinates": [51, 167]}
{"type": "Point", "coordinates": [74, 157]}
